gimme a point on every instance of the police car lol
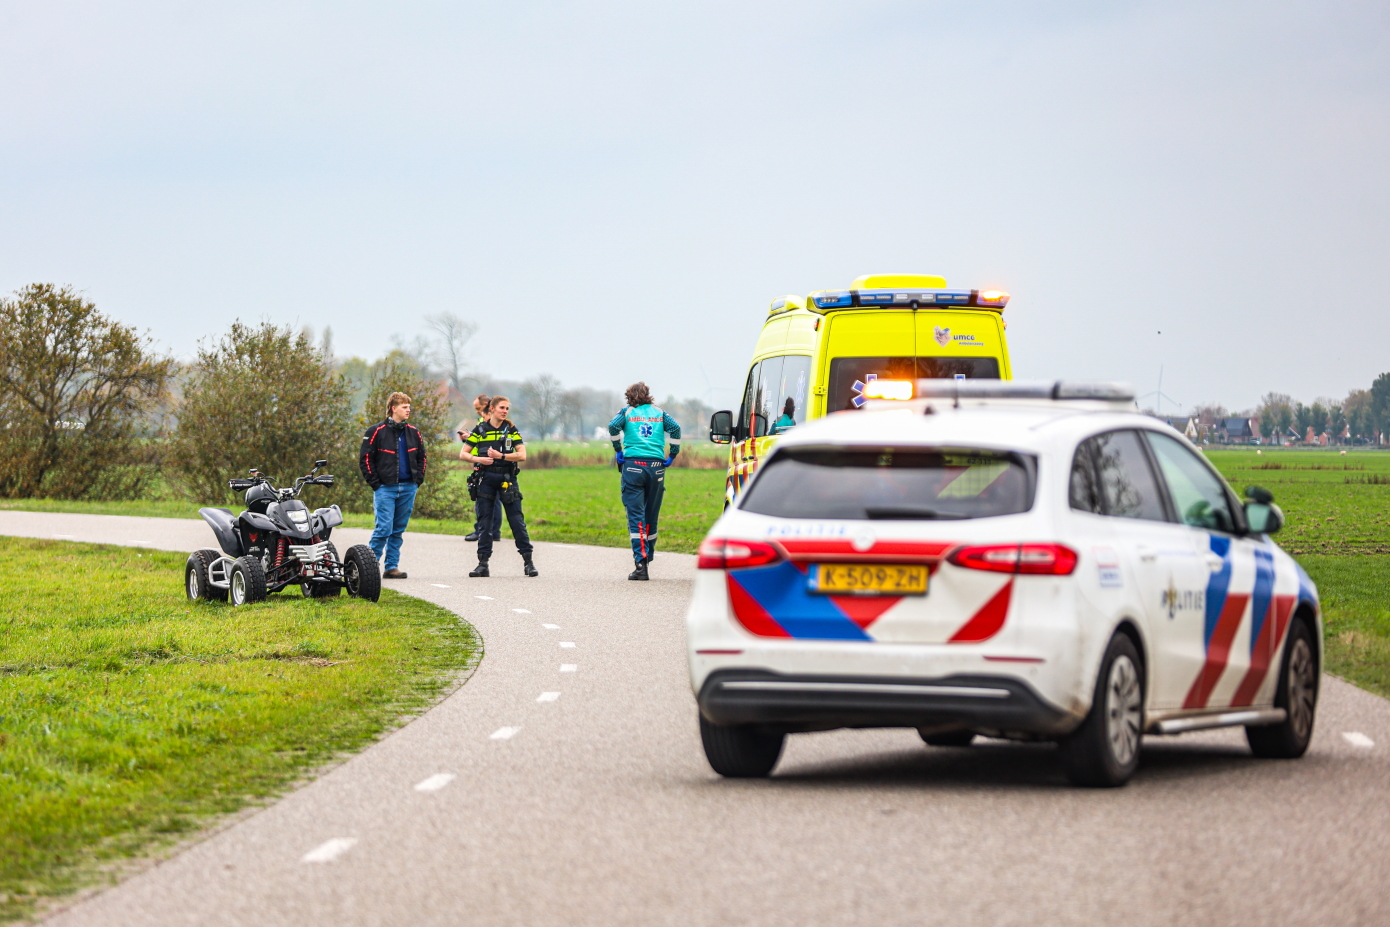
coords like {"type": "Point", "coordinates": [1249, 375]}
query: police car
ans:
{"type": "Point", "coordinates": [1034, 561]}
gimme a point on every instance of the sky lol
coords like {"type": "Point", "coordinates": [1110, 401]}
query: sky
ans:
{"type": "Point", "coordinates": [615, 191]}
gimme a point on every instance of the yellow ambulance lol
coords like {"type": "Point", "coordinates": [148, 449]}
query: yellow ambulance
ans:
{"type": "Point", "coordinates": [834, 350]}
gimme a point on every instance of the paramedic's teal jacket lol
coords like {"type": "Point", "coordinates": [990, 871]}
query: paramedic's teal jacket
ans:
{"type": "Point", "coordinates": [641, 431]}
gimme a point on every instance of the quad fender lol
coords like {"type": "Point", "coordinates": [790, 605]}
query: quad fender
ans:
{"type": "Point", "coordinates": [223, 525]}
{"type": "Point", "coordinates": [326, 519]}
{"type": "Point", "coordinates": [258, 522]}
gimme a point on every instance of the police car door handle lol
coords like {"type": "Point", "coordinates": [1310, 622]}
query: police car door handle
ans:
{"type": "Point", "coordinates": [1215, 562]}
{"type": "Point", "coordinates": [1147, 553]}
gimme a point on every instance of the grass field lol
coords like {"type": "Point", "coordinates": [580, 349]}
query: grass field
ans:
{"type": "Point", "coordinates": [129, 715]}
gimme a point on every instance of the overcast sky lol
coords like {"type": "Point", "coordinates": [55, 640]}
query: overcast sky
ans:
{"type": "Point", "coordinates": [615, 191]}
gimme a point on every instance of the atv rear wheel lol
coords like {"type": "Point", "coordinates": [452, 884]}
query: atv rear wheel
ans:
{"type": "Point", "coordinates": [195, 577]}
{"type": "Point", "coordinates": [361, 573]}
{"type": "Point", "coordinates": [248, 581]}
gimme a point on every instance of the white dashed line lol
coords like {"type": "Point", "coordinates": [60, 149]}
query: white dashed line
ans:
{"type": "Point", "coordinates": [485, 598]}
{"type": "Point", "coordinates": [330, 850]}
{"type": "Point", "coordinates": [1358, 739]}
{"type": "Point", "coordinates": [569, 667]}
{"type": "Point", "coordinates": [548, 696]}
{"type": "Point", "coordinates": [504, 733]}
{"type": "Point", "coordinates": [566, 643]}
{"type": "Point", "coordinates": [439, 585]}
{"type": "Point", "coordinates": [551, 627]}
{"type": "Point", "coordinates": [522, 611]}
{"type": "Point", "coordinates": [434, 783]}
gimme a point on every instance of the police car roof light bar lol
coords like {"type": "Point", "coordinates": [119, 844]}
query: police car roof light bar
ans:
{"type": "Point", "coordinates": [1046, 390]}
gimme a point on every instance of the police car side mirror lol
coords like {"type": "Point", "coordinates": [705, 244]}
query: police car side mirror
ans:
{"type": "Point", "coordinates": [721, 427]}
{"type": "Point", "coordinates": [1261, 514]}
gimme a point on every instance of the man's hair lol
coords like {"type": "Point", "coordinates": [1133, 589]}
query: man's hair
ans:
{"type": "Point", "coordinates": [397, 399]}
{"type": "Point", "coordinates": [638, 394]}
{"type": "Point", "coordinates": [480, 404]}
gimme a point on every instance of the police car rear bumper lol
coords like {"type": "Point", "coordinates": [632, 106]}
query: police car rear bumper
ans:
{"type": "Point", "coordinates": [817, 703]}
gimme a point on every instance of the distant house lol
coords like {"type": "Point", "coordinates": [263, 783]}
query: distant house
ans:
{"type": "Point", "coordinates": [1236, 431]}
{"type": "Point", "coordinates": [1185, 424]}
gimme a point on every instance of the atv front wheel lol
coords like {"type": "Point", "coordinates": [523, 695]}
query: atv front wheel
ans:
{"type": "Point", "coordinates": [248, 581]}
{"type": "Point", "coordinates": [361, 573]}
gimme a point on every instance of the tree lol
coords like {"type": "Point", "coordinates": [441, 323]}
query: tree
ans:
{"type": "Point", "coordinates": [1357, 408]}
{"type": "Point", "coordinates": [1276, 415]}
{"type": "Point", "coordinates": [542, 405]}
{"type": "Point", "coordinates": [1380, 404]}
{"type": "Point", "coordinates": [261, 397]}
{"type": "Point", "coordinates": [74, 386]}
{"type": "Point", "coordinates": [450, 353]}
{"type": "Point", "coordinates": [1209, 414]}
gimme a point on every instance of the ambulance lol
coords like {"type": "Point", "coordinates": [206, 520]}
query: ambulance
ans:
{"type": "Point", "coordinates": [835, 350]}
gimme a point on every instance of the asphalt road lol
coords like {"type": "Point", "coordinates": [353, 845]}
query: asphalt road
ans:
{"type": "Point", "coordinates": [599, 809]}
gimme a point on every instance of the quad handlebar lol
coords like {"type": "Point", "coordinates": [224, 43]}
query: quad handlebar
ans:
{"type": "Point", "coordinates": [312, 478]}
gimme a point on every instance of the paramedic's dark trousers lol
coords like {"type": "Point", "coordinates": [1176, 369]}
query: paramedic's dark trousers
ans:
{"type": "Point", "coordinates": [644, 482]}
{"type": "Point", "coordinates": [491, 496]}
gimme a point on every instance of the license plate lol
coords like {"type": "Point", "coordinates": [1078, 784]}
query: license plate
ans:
{"type": "Point", "coordinates": [869, 579]}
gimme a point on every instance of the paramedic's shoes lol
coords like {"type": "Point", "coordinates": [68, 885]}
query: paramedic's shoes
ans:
{"type": "Point", "coordinates": [480, 569]}
{"type": "Point", "coordinates": [640, 572]}
{"type": "Point", "coordinates": [472, 535]}
{"type": "Point", "coordinates": [394, 573]}
{"type": "Point", "coordinates": [530, 568]}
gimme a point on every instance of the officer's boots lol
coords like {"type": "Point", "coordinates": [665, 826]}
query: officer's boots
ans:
{"type": "Point", "coordinates": [530, 568]}
{"type": "Point", "coordinates": [480, 569]}
{"type": "Point", "coordinates": [640, 572]}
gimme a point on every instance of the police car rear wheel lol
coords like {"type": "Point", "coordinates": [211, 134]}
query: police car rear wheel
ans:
{"type": "Point", "coordinates": [744, 751]}
{"type": "Point", "coordinates": [1297, 695]}
{"type": "Point", "coordinates": [1104, 751]}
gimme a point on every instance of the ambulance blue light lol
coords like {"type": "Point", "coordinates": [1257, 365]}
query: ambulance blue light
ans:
{"type": "Point", "coordinates": [839, 299]}
{"type": "Point", "coordinates": [846, 299]}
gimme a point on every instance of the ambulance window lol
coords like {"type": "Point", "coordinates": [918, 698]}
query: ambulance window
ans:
{"type": "Point", "coordinates": [745, 410]}
{"type": "Point", "coordinates": [1127, 485]}
{"type": "Point", "coordinates": [846, 371]}
{"type": "Point", "coordinates": [1197, 493]}
{"type": "Point", "coordinates": [765, 404]}
{"type": "Point", "coordinates": [790, 408]}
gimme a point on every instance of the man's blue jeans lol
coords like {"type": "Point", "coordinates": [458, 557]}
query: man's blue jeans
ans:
{"type": "Point", "coordinates": [393, 506]}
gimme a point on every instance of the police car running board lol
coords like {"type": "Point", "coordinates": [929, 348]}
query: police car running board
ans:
{"type": "Point", "coordinates": [1252, 718]}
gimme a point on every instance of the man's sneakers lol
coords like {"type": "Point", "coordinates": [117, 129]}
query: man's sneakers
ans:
{"type": "Point", "coordinates": [640, 572]}
{"type": "Point", "coordinates": [480, 569]}
{"type": "Point", "coordinates": [530, 568]}
{"type": "Point", "coordinates": [394, 573]}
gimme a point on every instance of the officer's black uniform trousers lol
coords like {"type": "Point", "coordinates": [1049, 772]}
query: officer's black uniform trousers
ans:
{"type": "Point", "coordinates": [490, 497]}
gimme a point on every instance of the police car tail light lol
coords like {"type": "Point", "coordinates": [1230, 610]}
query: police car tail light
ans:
{"type": "Point", "coordinates": [1034, 559]}
{"type": "Point", "coordinates": [888, 389]}
{"type": "Point", "coordinates": [719, 554]}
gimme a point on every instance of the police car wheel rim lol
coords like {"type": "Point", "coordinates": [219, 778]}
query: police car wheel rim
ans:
{"type": "Point", "coordinates": [1123, 710]}
{"type": "Point", "coordinates": [1302, 692]}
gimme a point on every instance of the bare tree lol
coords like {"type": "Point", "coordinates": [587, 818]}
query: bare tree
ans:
{"type": "Point", "coordinates": [450, 355]}
{"type": "Point", "coordinates": [542, 405]}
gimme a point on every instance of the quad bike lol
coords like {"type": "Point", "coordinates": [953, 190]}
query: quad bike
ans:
{"type": "Point", "coordinates": [278, 542]}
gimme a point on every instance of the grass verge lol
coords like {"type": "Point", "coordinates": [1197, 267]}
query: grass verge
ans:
{"type": "Point", "coordinates": [1356, 616]}
{"type": "Point", "coordinates": [129, 715]}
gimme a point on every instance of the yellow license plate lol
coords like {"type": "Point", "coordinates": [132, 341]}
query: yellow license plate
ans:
{"type": "Point", "coordinates": [869, 579]}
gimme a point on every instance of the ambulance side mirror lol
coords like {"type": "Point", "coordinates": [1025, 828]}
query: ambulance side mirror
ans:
{"type": "Point", "coordinates": [1261, 514]}
{"type": "Point", "coordinates": [721, 427]}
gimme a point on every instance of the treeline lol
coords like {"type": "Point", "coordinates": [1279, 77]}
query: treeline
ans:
{"type": "Point", "coordinates": [1363, 417]}
{"type": "Point", "coordinates": [94, 410]}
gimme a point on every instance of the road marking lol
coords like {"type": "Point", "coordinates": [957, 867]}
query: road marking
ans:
{"type": "Point", "coordinates": [566, 643]}
{"type": "Point", "coordinates": [439, 585]}
{"type": "Point", "coordinates": [65, 537]}
{"type": "Point", "coordinates": [504, 733]}
{"type": "Point", "coordinates": [330, 850]}
{"type": "Point", "coordinates": [1358, 739]}
{"type": "Point", "coordinates": [522, 611]}
{"type": "Point", "coordinates": [548, 696]}
{"type": "Point", "coordinates": [569, 667]}
{"type": "Point", "coordinates": [551, 627]}
{"type": "Point", "coordinates": [485, 598]}
{"type": "Point", "coordinates": [434, 783]}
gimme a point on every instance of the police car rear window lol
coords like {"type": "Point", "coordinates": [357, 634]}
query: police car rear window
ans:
{"type": "Point", "coordinates": [892, 483]}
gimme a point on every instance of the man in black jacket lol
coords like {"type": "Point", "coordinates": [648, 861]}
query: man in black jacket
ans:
{"type": "Point", "coordinates": [393, 464]}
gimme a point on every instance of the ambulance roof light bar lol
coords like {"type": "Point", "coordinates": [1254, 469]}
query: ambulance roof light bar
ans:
{"type": "Point", "coordinates": [1044, 390]}
{"type": "Point", "coordinates": [916, 298]}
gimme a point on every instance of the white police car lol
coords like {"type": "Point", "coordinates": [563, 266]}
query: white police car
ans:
{"type": "Point", "coordinates": [1033, 561]}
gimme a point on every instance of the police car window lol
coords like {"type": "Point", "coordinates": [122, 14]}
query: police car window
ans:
{"type": "Point", "coordinates": [769, 383]}
{"type": "Point", "coordinates": [891, 483]}
{"type": "Point", "coordinates": [846, 372]}
{"type": "Point", "coordinates": [790, 408]}
{"type": "Point", "coordinates": [1084, 488]}
{"type": "Point", "coordinates": [1197, 493]}
{"type": "Point", "coordinates": [1128, 488]}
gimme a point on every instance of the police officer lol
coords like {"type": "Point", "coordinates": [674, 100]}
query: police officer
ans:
{"type": "Point", "coordinates": [639, 434]}
{"type": "Point", "coordinates": [495, 445]}
{"type": "Point", "coordinates": [480, 407]}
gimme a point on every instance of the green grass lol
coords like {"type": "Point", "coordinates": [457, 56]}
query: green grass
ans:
{"type": "Point", "coordinates": [573, 505]}
{"type": "Point", "coordinates": [1356, 615]}
{"type": "Point", "coordinates": [129, 715]}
